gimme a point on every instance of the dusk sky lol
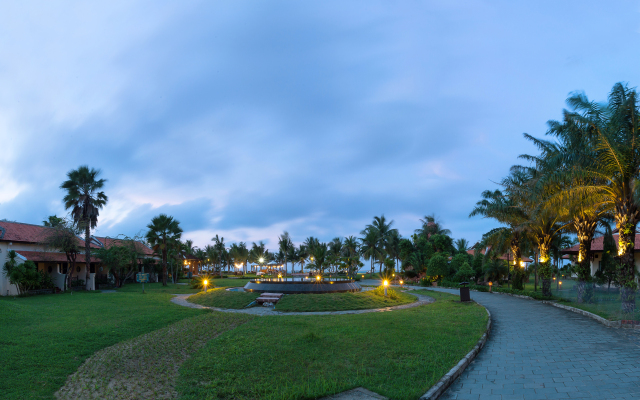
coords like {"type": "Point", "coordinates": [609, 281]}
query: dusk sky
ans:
{"type": "Point", "coordinates": [244, 119]}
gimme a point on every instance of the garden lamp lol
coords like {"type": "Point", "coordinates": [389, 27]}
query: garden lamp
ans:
{"type": "Point", "coordinates": [490, 287]}
{"type": "Point", "coordinates": [206, 282]}
{"type": "Point", "coordinates": [385, 283]}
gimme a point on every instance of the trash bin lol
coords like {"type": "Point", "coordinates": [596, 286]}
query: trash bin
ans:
{"type": "Point", "coordinates": [464, 291]}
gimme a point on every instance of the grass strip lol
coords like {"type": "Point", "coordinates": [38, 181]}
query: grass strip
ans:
{"type": "Point", "coordinates": [44, 339]}
{"type": "Point", "coordinates": [146, 367]}
{"type": "Point", "coordinates": [341, 301]}
{"type": "Point", "coordinates": [222, 298]}
{"type": "Point", "coordinates": [398, 354]}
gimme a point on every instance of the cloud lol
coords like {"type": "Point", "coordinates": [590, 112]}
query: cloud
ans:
{"type": "Point", "coordinates": [248, 118]}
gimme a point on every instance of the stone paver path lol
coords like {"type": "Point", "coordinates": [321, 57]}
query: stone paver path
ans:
{"type": "Point", "coordinates": [536, 351]}
{"type": "Point", "coordinates": [181, 299]}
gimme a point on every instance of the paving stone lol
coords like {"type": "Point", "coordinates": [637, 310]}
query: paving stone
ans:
{"type": "Point", "coordinates": [551, 354]}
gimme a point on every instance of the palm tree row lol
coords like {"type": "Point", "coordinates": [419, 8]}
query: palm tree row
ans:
{"type": "Point", "coordinates": [585, 176]}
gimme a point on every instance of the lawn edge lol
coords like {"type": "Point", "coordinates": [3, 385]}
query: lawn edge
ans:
{"type": "Point", "coordinates": [602, 320]}
{"type": "Point", "coordinates": [443, 384]}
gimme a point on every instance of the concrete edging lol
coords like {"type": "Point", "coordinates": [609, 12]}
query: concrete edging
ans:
{"type": "Point", "coordinates": [453, 374]}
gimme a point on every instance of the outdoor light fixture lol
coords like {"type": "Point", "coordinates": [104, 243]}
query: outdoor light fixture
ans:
{"type": "Point", "coordinates": [317, 277]}
{"type": "Point", "coordinates": [522, 263]}
{"type": "Point", "coordinates": [490, 287]}
{"type": "Point", "coordinates": [206, 282]}
{"type": "Point", "coordinates": [385, 283]}
{"type": "Point", "coordinates": [401, 282]}
{"type": "Point", "coordinates": [261, 259]}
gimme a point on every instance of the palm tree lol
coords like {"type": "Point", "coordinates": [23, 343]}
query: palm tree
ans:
{"type": "Point", "coordinates": [615, 171]}
{"type": "Point", "coordinates": [383, 229]}
{"type": "Point", "coordinates": [503, 208]}
{"type": "Point", "coordinates": [431, 226]}
{"type": "Point", "coordinates": [285, 244]}
{"type": "Point", "coordinates": [164, 233]}
{"type": "Point", "coordinates": [392, 247]}
{"type": "Point", "coordinates": [303, 255]}
{"type": "Point", "coordinates": [85, 199]}
{"type": "Point", "coordinates": [462, 245]}
{"type": "Point", "coordinates": [370, 246]}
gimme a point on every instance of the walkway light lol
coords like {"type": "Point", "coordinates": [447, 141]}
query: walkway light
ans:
{"type": "Point", "coordinates": [401, 282]}
{"type": "Point", "coordinates": [490, 287]}
{"type": "Point", "coordinates": [317, 277]}
{"type": "Point", "coordinates": [385, 283]}
{"type": "Point", "coordinates": [206, 282]}
{"type": "Point", "coordinates": [261, 260]}
{"type": "Point", "coordinates": [560, 283]}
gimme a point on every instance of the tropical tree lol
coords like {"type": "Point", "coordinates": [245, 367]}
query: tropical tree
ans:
{"type": "Point", "coordinates": [24, 276]}
{"type": "Point", "coordinates": [64, 238]}
{"type": "Point", "coordinates": [285, 244]}
{"type": "Point", "coordinates": [370, 246]}
{"type": "Point", "coordinates": [461, 245]}
{"type": "Point", "coordinates": [163, 234]}
{"type": "Point", "coordinates": [614, 175]}
{"type": "Point", "coordinates": [85, 199]}
{"type": "Point", "coordinates": [53, 221]}
{"type": "Point", "coordinates": [431, 226]}
{"type": "Point", "coordinates": [503, 208]}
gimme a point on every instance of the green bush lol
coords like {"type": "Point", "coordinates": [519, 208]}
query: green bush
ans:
{"type": "Point", "coordinates": [392, 294]}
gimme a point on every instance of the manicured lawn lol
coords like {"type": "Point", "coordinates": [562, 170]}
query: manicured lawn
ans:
{"type": "Point", "coordinates": [171, 288]}
{"type": "Point", "coordinates": [398, 354]}
{"type": "Point", "coordinates": [146, 367]}
{"type": "Point", "coordinates": [340, 301]}
{"type": "Point", "coordinates": [43, 339]}
{"type": "Point", "coordinates": [222, 298]}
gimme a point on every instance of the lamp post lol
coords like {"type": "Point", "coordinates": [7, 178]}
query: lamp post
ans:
{"type": "Point", "coordinates": [385, 283]}
{"type": "Point", "coordinates": [490, 287]}
{"type": "Point", "coordinates": [205, 285]}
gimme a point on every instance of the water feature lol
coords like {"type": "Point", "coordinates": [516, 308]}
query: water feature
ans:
{"type": "Point", "coordinates": [302, 285]}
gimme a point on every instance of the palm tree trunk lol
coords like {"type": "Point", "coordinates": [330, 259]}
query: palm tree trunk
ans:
{"type": "Point", "coordinates": [87, 254]}
{"type": "Point", "coordinates": [627, 222]}
{"type": "Point", "coordinates": [585, 229]}
{"type": "Point", "coordinates": [164, 267]}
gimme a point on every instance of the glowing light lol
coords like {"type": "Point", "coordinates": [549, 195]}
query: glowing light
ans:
{"type": "Point", "coordinates": [261, 260]}
{"type": "Point", "coordinates": [386, 283]}
{"type": "Point", "coordinates": [522, 263]}
{"type": "Point", "coordinates": [401, 282]}
{"type": "Point", "coordinates": [560, 282]}
{"type": "Point", "coordinates": [554, 278]}
{"type": "Point", "coordinates": [394, 275]}
{"type": "Point", "coordinates": [490, 283]}
{"type": "Point", "coordinates": [620, 251]}
{"type": "Point", "coordinates": [206, 282]}
{"type": "Point", "coordinates": [317, 277]}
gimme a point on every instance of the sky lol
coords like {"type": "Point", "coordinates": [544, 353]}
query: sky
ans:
{"type": "Point", "coordinates": [249, 118]}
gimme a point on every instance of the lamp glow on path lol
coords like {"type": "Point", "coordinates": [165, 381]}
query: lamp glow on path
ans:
{"type": "Point", "coordinates": [385, 283]}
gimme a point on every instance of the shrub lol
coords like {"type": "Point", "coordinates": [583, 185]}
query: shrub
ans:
{"type": "Point", "coordinates": [379, 291]}
{"type": "Point", "coordinates": [437, 267]}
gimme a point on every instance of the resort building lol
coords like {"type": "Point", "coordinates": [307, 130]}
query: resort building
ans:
{"type": "Point", "coordinates": [29, 242]}
{"type": "Point", "coordinates": [597, 246]}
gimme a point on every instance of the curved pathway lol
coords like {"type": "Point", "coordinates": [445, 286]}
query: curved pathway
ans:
{"type": "Point", "coordinates": [536, 351]}
{"type": "Point", "coordinates": [181, 299]}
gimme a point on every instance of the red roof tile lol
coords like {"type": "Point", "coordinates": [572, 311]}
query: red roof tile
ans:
{"type": "Point", "coordinates": [597, 244]}
{"type": "Point", "coordinates": [49, 256]}
{"type": "Point", "coordinates": [27, 233]}
{"type": "Point", "coordinates": [140, 247]}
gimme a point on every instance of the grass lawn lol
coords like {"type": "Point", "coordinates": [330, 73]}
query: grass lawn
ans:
{"type": "Point", "coordinates": [171, 288]}
{"type": "Point", "coordinates": [146, 367]}
{"type": "Point", "coordinates": [398, 354]}
{"type": "Point", "coordinates": [45, 338]}
{"type": "Point", "coordinates": [219, 297]}
{"type": "Point", "coordinates": [340, 301]}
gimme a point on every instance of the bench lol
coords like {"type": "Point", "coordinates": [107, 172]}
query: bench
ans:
{"type": "Point", "coordinates": [269, 298]}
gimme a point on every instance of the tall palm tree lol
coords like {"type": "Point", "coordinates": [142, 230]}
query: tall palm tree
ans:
{"type": "Point", "coordinates": [285, 244]}
{"type": "Point", "coordinates": [85, 199]}
{"type": "Point", "coordinates": [431, 226]}
{"type": "Point", "coordinates": [370, 246]}
{"type": "Point", "coordinates": [503, 208]}
{"type": "Point", "coordinates": [164, 234]}
{"type": "Point", "coordinates": [383, 230]}
{"type": "Point", "coordinates": [615, 172]}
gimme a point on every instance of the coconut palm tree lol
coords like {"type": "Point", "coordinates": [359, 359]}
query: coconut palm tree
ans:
{"type": "Point", "coordinates": [285, 244]}
{"type": "Point", "coordinates": [85, 199]}
{"type": "Point", "coordinates": [163, 235]}
{"type": "Point", "coordinates": [371, 246]}
{"type": "Point", "coordinates": [462, 245]}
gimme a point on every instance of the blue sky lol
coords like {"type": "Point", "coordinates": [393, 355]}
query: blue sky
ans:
{"type": "Point", "coordinates": [247, 118]}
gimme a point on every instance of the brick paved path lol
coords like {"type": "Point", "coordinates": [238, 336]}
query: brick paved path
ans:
{"type": "Point", "coordinates": [536, 351]}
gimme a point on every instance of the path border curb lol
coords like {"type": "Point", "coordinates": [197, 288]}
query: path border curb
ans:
{"type": "Point", "coordinates": [443, 384]}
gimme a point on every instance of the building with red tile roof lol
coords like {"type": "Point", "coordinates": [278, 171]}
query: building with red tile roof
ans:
{"type": "Point", "coordinates": [506, 256]}
{"type": "Point", "coordinates": [597, 246]}
{"type": "Point", "coordinates": [29, 242]}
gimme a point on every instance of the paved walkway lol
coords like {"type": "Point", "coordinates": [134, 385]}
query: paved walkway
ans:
{"type": "Point", "coordinates": [181, 299]}
{"type": "Point", "coordinates": [536, 351]}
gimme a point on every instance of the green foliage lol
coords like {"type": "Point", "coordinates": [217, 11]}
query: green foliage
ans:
{"type": "Point", "coordinates": [24, 276]}
{"type": "Point", "coordinates": [437, 267]}
{"type": "Point", "coordinates": [342, 301]}
{"type": "Point", "coordinates": [465, 273]}
{"type": "Point", "coordinates": [458, 261]}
